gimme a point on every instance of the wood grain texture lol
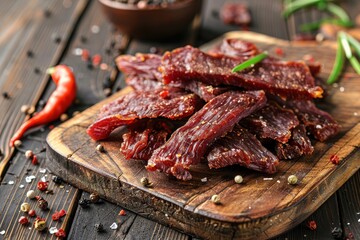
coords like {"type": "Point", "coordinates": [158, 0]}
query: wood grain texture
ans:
{"type": "Point", "coordinates": [20, 80]}
{"type": "Point", "coordinates": [186, 205]}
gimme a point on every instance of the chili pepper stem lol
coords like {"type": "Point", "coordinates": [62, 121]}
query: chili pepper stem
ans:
{"type": "Point", "coordinates": [50, 70]}
{"type": "Point", "coordinates": [355, 64]}
{"type": "Point", "coordinates": [250, 62]}
{"type": "Point", "coordinates": [338, 64]}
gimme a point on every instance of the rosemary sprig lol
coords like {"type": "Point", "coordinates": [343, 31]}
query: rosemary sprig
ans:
{"type": "Point", "coordinates": [250, 62]}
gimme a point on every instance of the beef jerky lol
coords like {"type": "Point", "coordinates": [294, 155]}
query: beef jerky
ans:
{"type": "Point", "coordinates": [242, 148]}
{"type": "Point", "coordinates": [140, 84]}
{"type": "Point", "coordinates": [298, 145]}
{"type": "Point", "coordinates": [139, 105]}
{"type": "Point", "coordinates": [320, 123]}
{"type": "Point", "coordinates": [272, 121]}
{"type": "Point", "coordinates": [140, 141]}
{"type": "Point", "coordinates": [140, 65]}
{"type": "Point", "coordinates": [204, 91]}
{"type": "Point", "coordinates": [188, 144]}
{"type": "Point", "coordinates": [235, 48]}
{"type": "Point", "coordinates": [286, 79]}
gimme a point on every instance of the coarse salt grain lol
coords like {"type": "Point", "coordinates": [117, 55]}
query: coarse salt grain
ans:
{"type": "Point", "coordinates": [43, 179]}
{"type": "Point", "coordinates": [341, 89]}
{"type": "Point", "coordinates": [42, 170]}
{"type": "Point", "coordinates": [77, 51]}
{"type": "Point", "coordinates": [267, 179]}
{"type": "Point", "coordinates": [11, 182]}
{"type": "Point", "coordinates": [21, 186]}
{"type": "Point", "coordinates": [95, 29]}
{"type": "Point", "coordinates": [355, 113]}
{"type": "Point", "coordinates": [29, 179]}
{"type": "Point", "coordinates": [204, 179]}
{"type": "Point", "coordinates": [114, 226]}
{"type": "Point", "coordinates": [53, 230]}
{"type": "Point", "coordinates": [2, 232]}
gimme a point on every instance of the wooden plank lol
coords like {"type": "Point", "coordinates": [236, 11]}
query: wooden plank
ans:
{"type": "Point", "coordinates": [187, 205]}
{"type": "Point", "coordinates": [350, 206]}
{"type": "Point", "coordinates": [21, 81]}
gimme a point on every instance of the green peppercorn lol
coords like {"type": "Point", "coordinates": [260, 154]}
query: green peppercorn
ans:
{"type": "Point", "coordinates": [215, 199]}
{"type": "Point", "coordinates": [292, 179]}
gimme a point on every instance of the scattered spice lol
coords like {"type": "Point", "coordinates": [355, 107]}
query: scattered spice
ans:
{"type": "Point", "coordinates": [58, 214]}
{"type": "Point", "coordinates": [42, 186]}
{"type": "Point", "coordinates": [99, 227]}
{"type": "Point", "coordinates": [238, 179]}
{"type": "Point", "coordinates": [17, 143]}
{"type": "Point", "coordinates": [94, 197]}
{"type": "Point", "coordinates": [100, 148]}
{"type": "Point", "coordinates": [122, 212]}
{"type": "Point", "coordinates": [84, 203]}
{"type": "Point", "coordinates": [29, 154]}
{"type": "Point", "coordinates": [279, 52]}
{"type": "Point", "coordinates": [107, 92]}
{"type": "Point", "coordinates": [96, 60]}
{"type": "Point", "coordinates": [31, 194]}
{"type": "Point", "coordinates": [24, 108]}
{"type": "Point", "coordinates": [55, 37]}
{"type": "Point", "coordinates": [23, 220]}
{"type": "Point", "coordinates": [337, 233]}
{"type": "Point", "coordinates": [60, 233]}
{"type": "Point", "coordinates": [34, 160]}
{"type": "Point", "coordinates": [114, 226]}
{"type": "Point", "coordinates": [40, 224]}
{"type": "Point", "coordinates": [37, 70]}
{"type": "Point", "coordinates": [43, 204]}
{"type": "Point", "coordinates": [292, 179]}
{"type": "Point", "coordinates": [64, 117]}
{"type": "Point", "coordinates": [32, 213]}
{"type": "Point", "coordinates": [57, 104]}
{"type": "Point", "coordinates": [85, 55]}
{"type": "Point", "coordinates": [47, 13]}
{"type": "Point", "coordinates": [25, 207]}
{"type": "Point", "coordinates": [29, 53]}
{"type": "Point", "coordinates": [312, 225]}
{"type": "Point", "coordinates": [164, 94]}
{"type": "Point", "coordinates": [57, 179]}
{"type": "Point", "coordinates": [83, 39]}
{"type": "Point", "coordinates": [5, 95]}
{"type": "Point", "coordinates": [215, 199]}
{"type": "Point", "coordinates": [145, 182]}
{"type": "Point", "coordinates": [334, 159]}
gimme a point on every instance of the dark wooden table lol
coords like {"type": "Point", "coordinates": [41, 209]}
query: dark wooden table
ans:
{"type": "Point", "coordinates": [37, 34]}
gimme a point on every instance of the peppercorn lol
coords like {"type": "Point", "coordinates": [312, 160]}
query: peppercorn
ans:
{"type": "Point", "coordinates": [64, 117]}
{"type": "Point", "coordinates": [17, 143]}
{"type": "Point", "coordinates": [94, 197]}
{"type": "Point", "coordinates": [29, 154]}
{"type": "Point", "coordinates": [31, 194]}
{"type": "Point", "coordinates": [24, 108]}
{"type": "Point", "coordinates": [23, 220]}
{"type": "Point", "coordinates": [337, 233]}
{"type": "Point", "coordinates": [5, 95]}
{"type": "Point", "coordinates": [57, 179]}
{"type": "Point", "coordinates": [100, 148]}
{"type": "Point", "coordinates": [215, 199]}
{"type": "Point", "coordinates": [335, 159]}
{"type": "Point", "coordinates": [84, 203]}
{"type": "Point", "coordinates": [37, 70]}
{"type": "Point", "coordinates": [34, 160]}
{"type": "Point", "coordinates": [25, 207]}
{"type": "Point", "coordinates": [60, 233]}
{"type": "Point", "coordinates": [43, 204]}
{"type": "Point", "coordinates": [312, 225]}
{"type": "Point", "coordinates": [238, 179]}
{"type": "Point", "coordinates": [42, 186]}
{"type": "Point", "coordinates": [32, 213]}
{"type": "Point", "coordinates": [292, 179]}
{"type": "Point", "coordinates": [122, 212]}
{"type": "Point", "coordinates": [40, 224]}
{"type": "Point", "coordinates": [99, 227]}
{"type": "Point", "coordinates": [47, 13]}
{"type": "Point", "coordinates": [29, 53]}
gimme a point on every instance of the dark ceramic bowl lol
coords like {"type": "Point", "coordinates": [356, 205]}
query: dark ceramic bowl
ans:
{"type": "Point", "coordinates": [152, 22]}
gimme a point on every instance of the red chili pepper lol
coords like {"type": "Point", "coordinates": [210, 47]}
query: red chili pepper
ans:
{"type": "Point", "coordinates": [58, 102]}
{"type": "Point", "coordinates": [60, 233]}
{"type": "Point", "coordinates": [42, 186]}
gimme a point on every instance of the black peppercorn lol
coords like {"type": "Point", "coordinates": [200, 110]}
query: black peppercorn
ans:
{"type": "Point", "coordinates": [99, 227]}
{"type": "Point", "coordinates": [29, 53]}
{"type": "Point", "coordinates": [89, 64]}
{"type": "Point", "coordinates": [47, 13]}
{"type": "Point", "coordinates": [37, 70]}
{"type": "Point", "coordinates": [5, 95]}
{"type": "Point", "coordinates": [57, 179]}
{"type": "Point", "coordinates": [84, 203]}
{"type": "Point", "coordinates": [337, 233]}
{"type": "Point", "coordinates": [83, 39]}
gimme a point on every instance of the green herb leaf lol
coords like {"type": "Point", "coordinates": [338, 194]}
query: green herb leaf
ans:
{"type": "Point", "coordinates": [338, 12]}
{"type": "Point", "coordinates": [338, 64]}
{"type": "Point", "coordinates": [250, 62]}
{"type": "Point", "coordinates": [345, 44]}
{"type": "Point", "coordinates": [297, 5]}
{"type": "Point", "coordinates": [354, 43]}
{"type": "Point", "coordinates": [355, 64]}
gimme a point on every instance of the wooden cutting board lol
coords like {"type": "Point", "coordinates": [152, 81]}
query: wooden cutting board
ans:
{"type": "Point", "coordinates": [261, 207]}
